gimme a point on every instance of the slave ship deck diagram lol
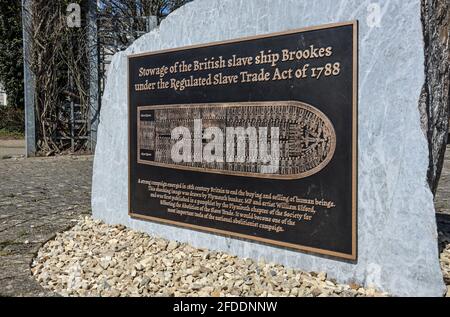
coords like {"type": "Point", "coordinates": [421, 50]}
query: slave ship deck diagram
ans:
{"type": "Point", "coordinates": [307, 139]}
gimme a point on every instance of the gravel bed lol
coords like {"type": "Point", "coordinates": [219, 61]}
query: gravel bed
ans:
{"type": "Point", "coordinates": [95, 259]}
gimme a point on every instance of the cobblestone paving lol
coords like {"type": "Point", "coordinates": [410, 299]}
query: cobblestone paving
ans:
{"type": "Point", "coordinates": [38, 197]}
{"type": "Point", "coordinates": [442, 199]}
{"type": "Point", "coordinates": [442, 203]}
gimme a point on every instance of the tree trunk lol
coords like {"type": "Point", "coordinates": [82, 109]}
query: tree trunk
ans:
{"type": "Point", "coordinates": [434, 101]}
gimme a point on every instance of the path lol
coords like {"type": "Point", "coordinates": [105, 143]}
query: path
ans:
{"type": "Point", "coordinates": [38, 197]}
{"type": "Point", "coordinates": [11, 148]}
{"type": "Point", "coordinates": [442, 199]}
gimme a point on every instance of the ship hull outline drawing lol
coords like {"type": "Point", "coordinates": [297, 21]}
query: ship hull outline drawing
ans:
{"type": "Point", "coordinates": [307, 138]}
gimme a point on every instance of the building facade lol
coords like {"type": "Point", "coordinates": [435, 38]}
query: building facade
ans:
{"type": "Point", "coordinates": [3, 96]}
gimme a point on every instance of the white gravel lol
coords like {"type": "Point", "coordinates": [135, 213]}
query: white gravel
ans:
{"type": "Point", "coordinates": [94, 259]}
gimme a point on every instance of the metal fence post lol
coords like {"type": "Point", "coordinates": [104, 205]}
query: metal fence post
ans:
{"type": "Point", "coordinates": [29, 81]}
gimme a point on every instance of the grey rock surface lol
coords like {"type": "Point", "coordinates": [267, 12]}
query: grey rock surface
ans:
{"type": "Point", "coordinates": [397, 237]}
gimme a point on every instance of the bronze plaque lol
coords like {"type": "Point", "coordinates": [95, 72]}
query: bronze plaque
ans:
{"type": "Point", "coordinates": [254, 138]}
